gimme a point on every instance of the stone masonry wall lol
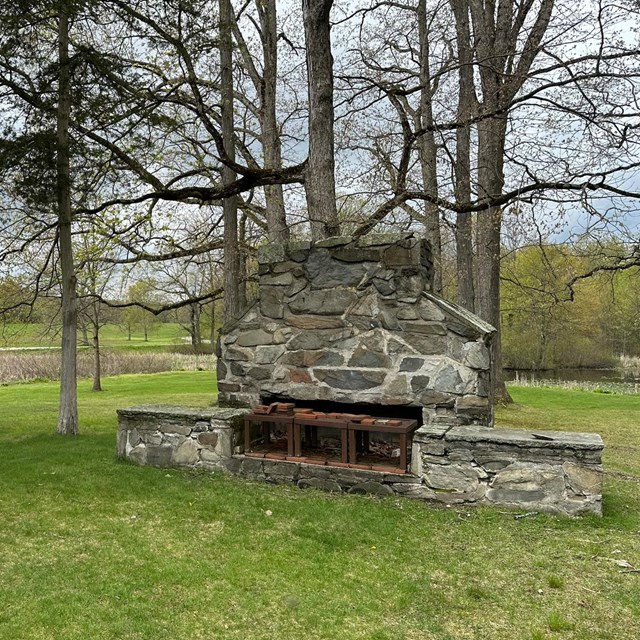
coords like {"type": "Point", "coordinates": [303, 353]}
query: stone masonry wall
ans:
{"type": "Point", "coordinates": [167, 436]}
{"type": "Point", "coordinates": [551, 471]}
{"type": "Point", "coordinates": [354, 321]}
{"type": "Point", "coordinates": [456, 465]}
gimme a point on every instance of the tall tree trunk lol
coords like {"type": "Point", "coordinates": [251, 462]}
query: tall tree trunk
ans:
{"type": "Point", "coordinates": [68, 415]}
{"type": "Point", "coordinates": [212, 330]}
{"type": "Point", "coordinates": [320, 184]}
{"type": "Point", "coordinates": [467, 103]}
{"type": "Point", "coordinates": [194, 327]}
{"type": "Point", "coordinates": [84, 332]}
{"type": "Point", "coordinates": [232, 301]}
{"type": "Point", "coordinates": [428, 150]}
{"type": "Point", "coordinates": [491, 143]}
{"type": "Point", "coordinates": [97, 367]}
{"type": "Point", "coordinates": [277, 229]}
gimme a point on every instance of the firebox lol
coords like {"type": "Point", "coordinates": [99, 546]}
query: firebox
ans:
{"type": "Point", "coordinates": [351, 326]}
{"type": "Point", "coordinates": [332, 433]}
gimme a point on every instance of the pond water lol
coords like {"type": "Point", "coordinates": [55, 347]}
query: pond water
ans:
{"type": "Point", "coordinates": [578, 375]}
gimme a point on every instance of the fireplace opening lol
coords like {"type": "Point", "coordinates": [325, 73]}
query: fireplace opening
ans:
{"type": "Point", "coordinates": [392, 411]}
{"type": "Point", "coordinates": [358, 435]}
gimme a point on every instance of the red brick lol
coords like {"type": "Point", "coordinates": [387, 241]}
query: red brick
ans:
{"type": "Point", "coordinates": [254, 454]}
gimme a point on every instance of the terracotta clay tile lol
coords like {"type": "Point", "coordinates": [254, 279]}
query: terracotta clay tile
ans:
{"type": "Point", "coordinates": [274, 455]}
{"type": "Point", "coordinates": [254, 454]}
{"type": "Point", "coordinates": [364, 467]}
{"type": "Point", "coordinates": [317, 461]}
{"type": "Point", "coordinates": [384, 469]}
{"type": "Point", "coordinates": [296, 459]}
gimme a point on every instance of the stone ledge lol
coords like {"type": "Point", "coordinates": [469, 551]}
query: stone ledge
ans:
{"type": "Point", "coordinates": [174, 411]}
{"type": "Point", "coordinates": [513, 437]}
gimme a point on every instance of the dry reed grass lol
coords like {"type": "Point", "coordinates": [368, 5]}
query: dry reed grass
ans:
{"type": "Point", "coordinates": [16, 366]}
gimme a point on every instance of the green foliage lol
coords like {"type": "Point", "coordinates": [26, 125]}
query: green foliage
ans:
{"type": "Point", "coordinates": [543, 328]}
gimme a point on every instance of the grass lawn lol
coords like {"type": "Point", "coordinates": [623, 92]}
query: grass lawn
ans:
{"type": "Point", "coordinates": [30, 335]}
{"type": "Point", "coordinates": [91, 548]}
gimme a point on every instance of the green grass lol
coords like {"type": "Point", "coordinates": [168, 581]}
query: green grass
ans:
{"type": "Point", "coordinates": [31, 335]}
{"type": "Point", "coordinates": [94, 548]}
{"type": "Point", "coordinates": [616, 417]}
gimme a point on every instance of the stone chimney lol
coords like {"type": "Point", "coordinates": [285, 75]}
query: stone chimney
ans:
{"type": "Point", "coordinates": [354, 321]}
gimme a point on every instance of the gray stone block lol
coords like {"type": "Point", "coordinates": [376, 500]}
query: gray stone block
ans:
{"type": "Point", "coordinates": [366, 358]}
{"type": "Point", "coordinates": [447, 379]}
{"type": "Point", "coordinates": [138, 455]}
{"type": "Point", "coordinates": [255, 337]}
{"type": "Point", "coordinates": [311, 322]}
{"type": "Point", "coordinates": [523, 483]}
{"type": "Point", "coordinates": [412, 364]}
{"type": "Point", "coordinates": [320, 483]}
{"type": "Point", "coordinates": [208, 439]}
{"type": "Point", "coordinates": [232, 465]}
{"type": "Point", "coordinates": [272, 302]}
{"type": "Point", "coordinates": [186, 454]}
{"type": "Point", "coordinates": [418, 491]}
{"type": "Point", "coordinates": [158, 455]}
{"type": "Point", "coordinates": [252, 466]}
{"type": "Point", "coordinates": [307, 341]}
{"type": "Point", "coordinates": [121, 443]}
{"type": "Point", "coordinates": [280, 468]}
{"type": "Point", "coordinates": [583, 480]}
{"type": "Point", "coordinates": [334, 241]}
{"type": "Point", "coordinates": [325, 273]}
{"type": "Point", "coordinates": [459, 477]}
{"type": "Point", "coordinates": [323, 303]}
{"type": "Point", "coordinates": [371, 487]}
{"type": "Point", "coordinates": [476, 355]}
{"type": "Point", "coordinates": [275, 280]}
{"type": "Point", "coordinates": [351, 379]}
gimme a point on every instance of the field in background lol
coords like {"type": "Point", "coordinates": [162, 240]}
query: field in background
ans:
{"type": "Point", "coordinates": [163, 334]}
{"type": "Point", "coordinates": [94, 548]}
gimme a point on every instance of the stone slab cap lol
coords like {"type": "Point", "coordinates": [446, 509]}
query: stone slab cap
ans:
{"type": "Point", "coordinates": [462, 315]}
{"type": "Point", "coordinates": [172, 411]}
{"type": "Point", "coordinates": [513, 437]}
{"type": "Point", "coordinates": [382, 239]}
{"type": "Point", "coordinates": [272, 253]}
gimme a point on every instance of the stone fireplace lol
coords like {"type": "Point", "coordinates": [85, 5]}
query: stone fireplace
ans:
{"type": "Point", "coordinates": [352, 322]}
{"type": "Point", "coordinates": [348, 326]}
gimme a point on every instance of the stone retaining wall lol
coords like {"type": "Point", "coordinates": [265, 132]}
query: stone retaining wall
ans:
{"type": "Point", "coordinates": [168, 436]}
{"type": "Point", "coordinates": [551, 471]}
{"type": "Point", "coordinates": [548, 471]}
